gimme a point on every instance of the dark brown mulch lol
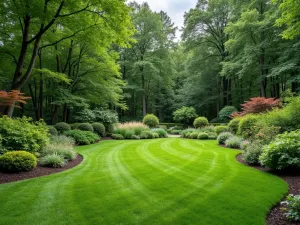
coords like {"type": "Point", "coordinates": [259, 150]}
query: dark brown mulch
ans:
{"type": "Point", "coordinates": [292, 178]}
{"type": "Point", "coordinates": [37, 172]}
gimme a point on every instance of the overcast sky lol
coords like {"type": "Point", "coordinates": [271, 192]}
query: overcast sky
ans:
{"type": "Point", "coordinates": [174, 8]}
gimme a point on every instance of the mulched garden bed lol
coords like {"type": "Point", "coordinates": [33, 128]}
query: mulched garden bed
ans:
{"type": "Point", "coordinates": [37, 172]}
{"type": "Point", "coordinates": [276, 215]}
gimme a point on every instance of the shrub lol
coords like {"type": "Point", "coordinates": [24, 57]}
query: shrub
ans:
{"type": "Point", "coordinates": [223, 137]}
{"type": "Point", "coordinates": [202, 136]}
{"type": "Point", "coordinates": [53, 160]}
{"type": "Point", "coordinates": [212, 136]}
{"type": "Point", "coordinates": [220, 129]}
{"type": "Point", "coordinates": [74, 126]}
{"type": "Point", "coordinates": [128, 134]}
{"type": "Point", "coordinates": [194, 135]}
{"type": "Point", "coordinates": [22, 133]}
{"type": "Point", "coordinates": [52, 131]}
{"type": "Point", "coordinates": [175, 132]}
{"type": "Point", "coordinates": [85, 127]}
{"type": "Point", "coordinates": [99, 129]}
{"type": "Point", "coordinates": [233, 125]}
{"type": "Point", "coordinates": [135, 137]}
{"type": "Point", "coordinates": [163, 127]}
{"type": "Point", "coordinates": [259, 104]}
{"type": "Point", "coordinates": [177, 127]}
{"type": "Point", "coordinates": [233, 142]}
{"type": "Point", "coordinates": [225, 112]}
{"type": "Point", "coordinates": [185, 115]}
{"type": "Point", "coordinates": [17, 161]}
{"type": "Point", "coordinates": [292, 203]}
{"type": "Point", "coordinates": [247, 126]}
{"type": "Point", "coordinates": [117, 136]}
{"type": "Point", "coordinates": [161, 132]}
{"type": "Point", "coordinates": [82, 137]}
{"type": "Point", "coordinates": [146, 135]}
{"type": "Point", "coordinates": [244, 144]}
{"type": "Point", "coordinates": [62, 127]}
{"type": "Point", "coordinates": [155, 135]}
{"type": "Point", "coordinates": [151, 120]}
{"type": "Point", "coordinates": [200, 122]}
{"type": "Point", "coordinates": [252, 153]}
{"type": "Point", "coordinates": [207, 129]}
{"type": "Point", "coordinates": [283, 152]}
{"type": "Point", "coordinates": [67, 153]}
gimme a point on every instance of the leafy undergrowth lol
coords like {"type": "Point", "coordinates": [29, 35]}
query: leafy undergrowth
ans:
{"type": "Point", "coordinates": [160, 181]}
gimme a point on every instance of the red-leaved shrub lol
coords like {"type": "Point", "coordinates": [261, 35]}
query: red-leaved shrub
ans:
{"type": "Point", "coordinates": [259, 104]}
{"type": "Point", "coordinates": [11, 97]}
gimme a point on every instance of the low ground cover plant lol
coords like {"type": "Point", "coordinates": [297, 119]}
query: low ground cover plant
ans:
{"type": "Point", "coordinates": [53, 160]}
{"type": "Point", "coordinates": [292, 207]}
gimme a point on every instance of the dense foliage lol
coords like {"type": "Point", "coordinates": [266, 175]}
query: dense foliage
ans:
{"type": "Point", "coordinates": [17, 161]}
{"type": "Point", "coordinates": [200, 122]}
{"type": "Point", "coordinates": [151, 120]}
{"type": "Point", "coordinates": [185, 115]}
{"type": "Point", "coordinates": [82, 137]}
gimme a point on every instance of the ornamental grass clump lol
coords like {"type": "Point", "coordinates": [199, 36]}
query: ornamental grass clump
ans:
{"type": "Point", "coordinates": [233, 142]}
{"type": "Point", "coordinates": [130, 128]}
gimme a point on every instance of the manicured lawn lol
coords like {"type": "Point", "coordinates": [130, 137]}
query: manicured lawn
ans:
{"type": "Point", "coordinates": [161, 181]}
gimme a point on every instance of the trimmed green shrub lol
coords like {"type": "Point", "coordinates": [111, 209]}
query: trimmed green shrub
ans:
{"type": "Point", "coordinates": [62, 127]}
{"type": "Point", "coordinates": [136, 137]}
{"type": "Point", "coordinates": [292, 208]}
{"type": "Point", "coordinates": [17, 161]}
{"type": "Point", "coordinates": [99, 129]}
{"type": "Point", "coordinates": [85, 127]}
{"type": "Point", "coordinates": [247, 126]}
{"type": "Point", "coordinates": [223, 137]}
{"type": "Point", "coordinates": [23, 133]}
{"type": "Point", "coordinates": [161, 132]}
{"type": "Point", "coordinates": [252, 153]}
{"type": "Point", "coordinates": [283, 152]}
{"type": "Point", "coordinates": [151, 120]}
{"type": "Point", "coordinates": [185, 115]}
{"type": "Point", "coordinates": [155, 135]}
{"type": "Point", "coordinates": [212, 136]}
{"type": "Point", "coordinates": [234, 125]}
{"type": "Point", "coordinates": [194, 135]}
{"type": "Point", "coordinates": [220, 129]}
{"type": "Point", "coordinates": [74, 126]}
{"type": "Point", "coordinates": [53, 160]}
{"type": "Point", "coordinates": [2, 149]}
{"type": "Point", "coordinates": [117, 136]}
{"type": "Point", "coordinates": [200, 122]}
{"type": "Point", "coordinates": [146, 135]}
{"type": "Point", "coordinates": [226, 112]}
{"type": "Point", "coordinates": [52, 131]}
{"type": "Point", "coordinates": [82, 137]}
{"type": "Point", "coordinates": [202, 136]}
{"type": "Point", "coordinates": [233, 142]}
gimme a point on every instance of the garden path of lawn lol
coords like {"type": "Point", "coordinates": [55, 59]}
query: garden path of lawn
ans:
{"type": "Point", "coordinates": [149, 182]}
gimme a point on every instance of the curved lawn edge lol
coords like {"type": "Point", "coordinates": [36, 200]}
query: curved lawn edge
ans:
{"type": "Point", "coordinates": [39, 171]}
{"type": "Point", "coordinates": [276, 215]}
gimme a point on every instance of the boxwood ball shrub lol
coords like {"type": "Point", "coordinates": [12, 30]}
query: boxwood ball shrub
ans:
{"type": "Point", "coordinates": [24, 134]}
{"type": "Point", "coordinates": [233, 142]}
{"type": "Point", "coordinates": [220, 129]}
{"type": "Point", "coordinates": [200, 122]}
{"type": "Point", "coordinates": [117, 136]}
{"type": "Point", "coordinates": [85, 127]}
{"type": "Point", "coordinates": [283, 152]}
{"type": "Point", "coordinates": [223, 137]}
{"type": "Point", "coordinates": [202, 136]}
{"type": "Point", "coordinates": [99, 129]}
{"type": "Point", "coordinates": [17, 161]}
{"type": "Point", "coordinates": [62, 127]}
{"type": "Point", "coordinates": [194, 135]}
{"type": "Point", "coordinates": [233, 125]}
{"type": "Point", "coordinates": [52, 131]}
{"type": "Point", "coordinates": [53, 160]}
{"type": "Point", "coordinates": [82, 137]}
{"type": "Point", "coordinates": [74, 126]}
{"type": "Point", "coordinates": [151, 120]}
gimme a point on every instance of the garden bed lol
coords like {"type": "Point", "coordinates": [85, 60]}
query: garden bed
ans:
{"type": "Point", "coordinates": [37, 172]}
{"type": "Point", "coordinates": [276, 215]}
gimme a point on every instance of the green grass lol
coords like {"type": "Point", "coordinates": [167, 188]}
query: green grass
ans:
{"type": "Point", "coordinates": [148, 182]}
